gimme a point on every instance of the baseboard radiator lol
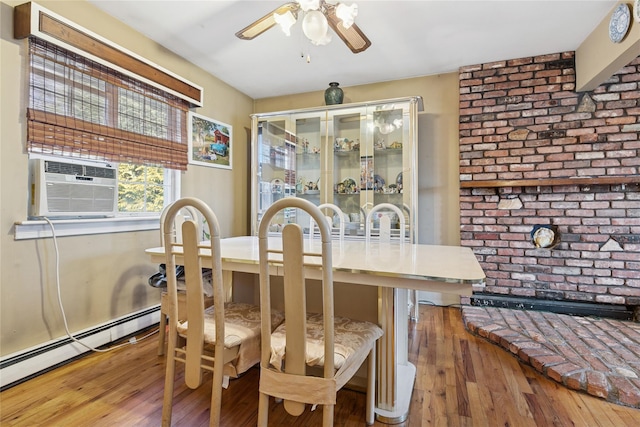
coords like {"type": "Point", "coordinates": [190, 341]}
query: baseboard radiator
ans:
{"type": "Point", "coordinates": [620, 312]}
{"type": "Point", "coordinates": [19, 367]}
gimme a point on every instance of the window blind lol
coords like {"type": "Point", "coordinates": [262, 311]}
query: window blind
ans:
{"type": "Point", "coordinates": [80, 108]}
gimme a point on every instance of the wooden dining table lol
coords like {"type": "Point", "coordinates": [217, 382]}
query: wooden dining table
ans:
{"type": "Point", "coordinates": [392, 268]}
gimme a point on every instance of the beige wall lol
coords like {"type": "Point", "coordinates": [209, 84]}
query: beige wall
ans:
{"type": "Point", "coordinates": [102, 276]}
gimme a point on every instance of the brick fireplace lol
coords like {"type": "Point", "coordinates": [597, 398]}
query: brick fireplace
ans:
{"type": "Point", "coordinates": [533, 152]}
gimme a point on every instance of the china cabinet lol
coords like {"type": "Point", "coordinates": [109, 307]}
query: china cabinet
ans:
{"type": "Point", "coordinates": [355, 156]}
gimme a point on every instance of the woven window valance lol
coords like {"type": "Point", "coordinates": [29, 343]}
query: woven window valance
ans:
{"type": "Point", "coordinates": [80, 108]}
{"type": "Point", "coordinates": [33, 20]}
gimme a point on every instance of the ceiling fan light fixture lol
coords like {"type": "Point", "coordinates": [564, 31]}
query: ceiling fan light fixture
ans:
{"type": "Point", "coordinates": [324, 40]}
{"type": "Point", "coordinates": [285, 20]}
{"type": "Point", "coordinates": [347, 14]}
{"type": "Point", "coordinates": [307, 5]}
{"type": "Point", "coordinates": [319, 16]}
{"type": "Point", "coordinates": [266, 22]}
{"type": "Point", "coordinates": [353, 36]}
{"type": "Point", "coordinates": [315, 27]}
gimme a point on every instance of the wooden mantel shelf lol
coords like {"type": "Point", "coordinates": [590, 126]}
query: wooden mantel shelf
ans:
{"type": "Point", "coordinates": [607, 180]}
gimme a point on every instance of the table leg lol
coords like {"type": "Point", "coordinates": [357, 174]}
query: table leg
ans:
{"type": "Point", "coordinates": [395, 374]}
{"type": "Point", "coordinates": [227, 285]}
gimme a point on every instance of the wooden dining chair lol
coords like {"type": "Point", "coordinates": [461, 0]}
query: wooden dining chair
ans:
{"type": "Point", "coordinates": [304, 340]}
{"type": "Point", "coordinates": [187, 212]}
{"type": "Point", "coordinates": [224, 338]}
{"type": "Point", "coordinates": [378, 226]}
{"type": "Point", "coordinates": [378, 223]}
{"type": "Point", "coordinates": [338, 232]}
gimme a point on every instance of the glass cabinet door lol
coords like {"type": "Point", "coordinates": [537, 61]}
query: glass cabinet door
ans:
{"type": "Point", "coordinates": [393, 155]}
{"type": "Point", "coordinates": [289, 152]}
{"type": "Point", "coordinates": [310, 163]}
{"type": "Point", "coordinates": [347, 138]}
{"type": "Point", "coordinates": [276, 161]}
{"type": "Point", "coordinates": [372, 148]}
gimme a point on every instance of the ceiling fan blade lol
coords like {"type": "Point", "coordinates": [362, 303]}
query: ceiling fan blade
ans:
{"type": "Point", "coordinates": [353, 37]}
{"type": "Point", "coordinates": [263, 24]}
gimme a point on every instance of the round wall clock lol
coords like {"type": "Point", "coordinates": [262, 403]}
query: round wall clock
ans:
{"type": "Point", "coordinates": [619, 23]}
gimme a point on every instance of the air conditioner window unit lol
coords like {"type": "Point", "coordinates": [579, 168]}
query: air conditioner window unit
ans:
{"type": "Point", "coordinates": [73, 188]}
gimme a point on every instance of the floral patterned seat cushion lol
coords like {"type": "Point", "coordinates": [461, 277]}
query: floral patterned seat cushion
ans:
{"type": "Point", "coordinates": [242, 327]}
{"type": "Point", "coordinates": [350, 337]}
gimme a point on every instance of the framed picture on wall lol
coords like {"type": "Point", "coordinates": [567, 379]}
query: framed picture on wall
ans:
{"type": "Point", "coordinates": [210, 142]}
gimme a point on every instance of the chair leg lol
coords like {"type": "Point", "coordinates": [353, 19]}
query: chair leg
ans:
{"type": "Point", "coordinates": [169, 379]}
{"type": "Point", "coordinates": [263, 410]}
{"type": "Point", "coordinates": [162, 333]}
{"type": "Point", "coordinates": [216, 398]}
{"type": "Point", "coordinates": [371, 386]}
{"type": "Point", "coordinates": [327, 415]}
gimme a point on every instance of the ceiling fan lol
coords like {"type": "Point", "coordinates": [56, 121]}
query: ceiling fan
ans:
{"type": "Point", "coordinates": [318, 16]}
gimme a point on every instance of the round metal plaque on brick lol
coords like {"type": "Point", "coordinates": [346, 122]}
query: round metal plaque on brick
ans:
{"type": "Point", "coordinates": [545, 236]}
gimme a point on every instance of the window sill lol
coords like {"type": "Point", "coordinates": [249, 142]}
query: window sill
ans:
{"type": "Point", "coordinates": [40, 229]}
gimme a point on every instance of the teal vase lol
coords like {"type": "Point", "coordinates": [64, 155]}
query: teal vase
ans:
{"type": "Point", "coordinates": [333, 95]}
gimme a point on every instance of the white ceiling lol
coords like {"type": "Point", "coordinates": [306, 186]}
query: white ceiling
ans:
{"type": "Point", "coordinates": [409, 38]}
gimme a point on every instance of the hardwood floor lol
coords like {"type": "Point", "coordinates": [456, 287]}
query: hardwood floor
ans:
{"type": "Point", "coordinates": [461, 380]}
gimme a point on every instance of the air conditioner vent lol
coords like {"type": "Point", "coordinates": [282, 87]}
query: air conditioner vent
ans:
{"type": "Point", "coordinates": [73, 188]}
{"type": "Point", "coordinates": [78, 169]}
{"type": "Point", "coordinates": [62, 168]}
{"type": "Point", "coordinates": [100, 172]}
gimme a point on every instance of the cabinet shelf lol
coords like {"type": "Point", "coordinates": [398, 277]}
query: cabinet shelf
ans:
{"type": "Point", "coordinates": [308, 195]}
{"type": "Point", "coordinates": [347, 153]}
{"type": "Point", "coordinates": [387, 151]}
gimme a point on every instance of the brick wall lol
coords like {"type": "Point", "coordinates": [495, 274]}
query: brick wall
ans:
{"type": "Point", "coordinates": [522, 121]}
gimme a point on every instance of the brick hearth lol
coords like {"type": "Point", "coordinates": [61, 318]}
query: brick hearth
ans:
{"type": "Point", "coordinates": [597, 356]}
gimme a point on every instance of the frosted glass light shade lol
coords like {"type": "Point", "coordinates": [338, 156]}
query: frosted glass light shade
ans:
{"type": "Point", "coordinates": [308, 5]}
{"type": "Point", "coordinates": [286, 21]}
{"type": "Point", "coordinates": [347, 14]}
{"type": "Point", "coordinates": [315, 27]}
{"type": "Point", "coordinates": [324, 40]}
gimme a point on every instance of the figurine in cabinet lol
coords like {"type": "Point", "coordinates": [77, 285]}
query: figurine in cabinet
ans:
{"type": "Point", "coordinates": [341, 144]}
{"type": "Point", "coordinates": [345, 144]}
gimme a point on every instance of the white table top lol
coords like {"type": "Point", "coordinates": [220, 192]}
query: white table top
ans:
{"type": "Point", "coordinates": [416, 266]}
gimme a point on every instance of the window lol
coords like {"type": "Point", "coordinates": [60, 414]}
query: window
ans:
{"type": "Point", "coordinates": [142, 189]}
{"type": "Point", "coordinates": [82, 109]}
